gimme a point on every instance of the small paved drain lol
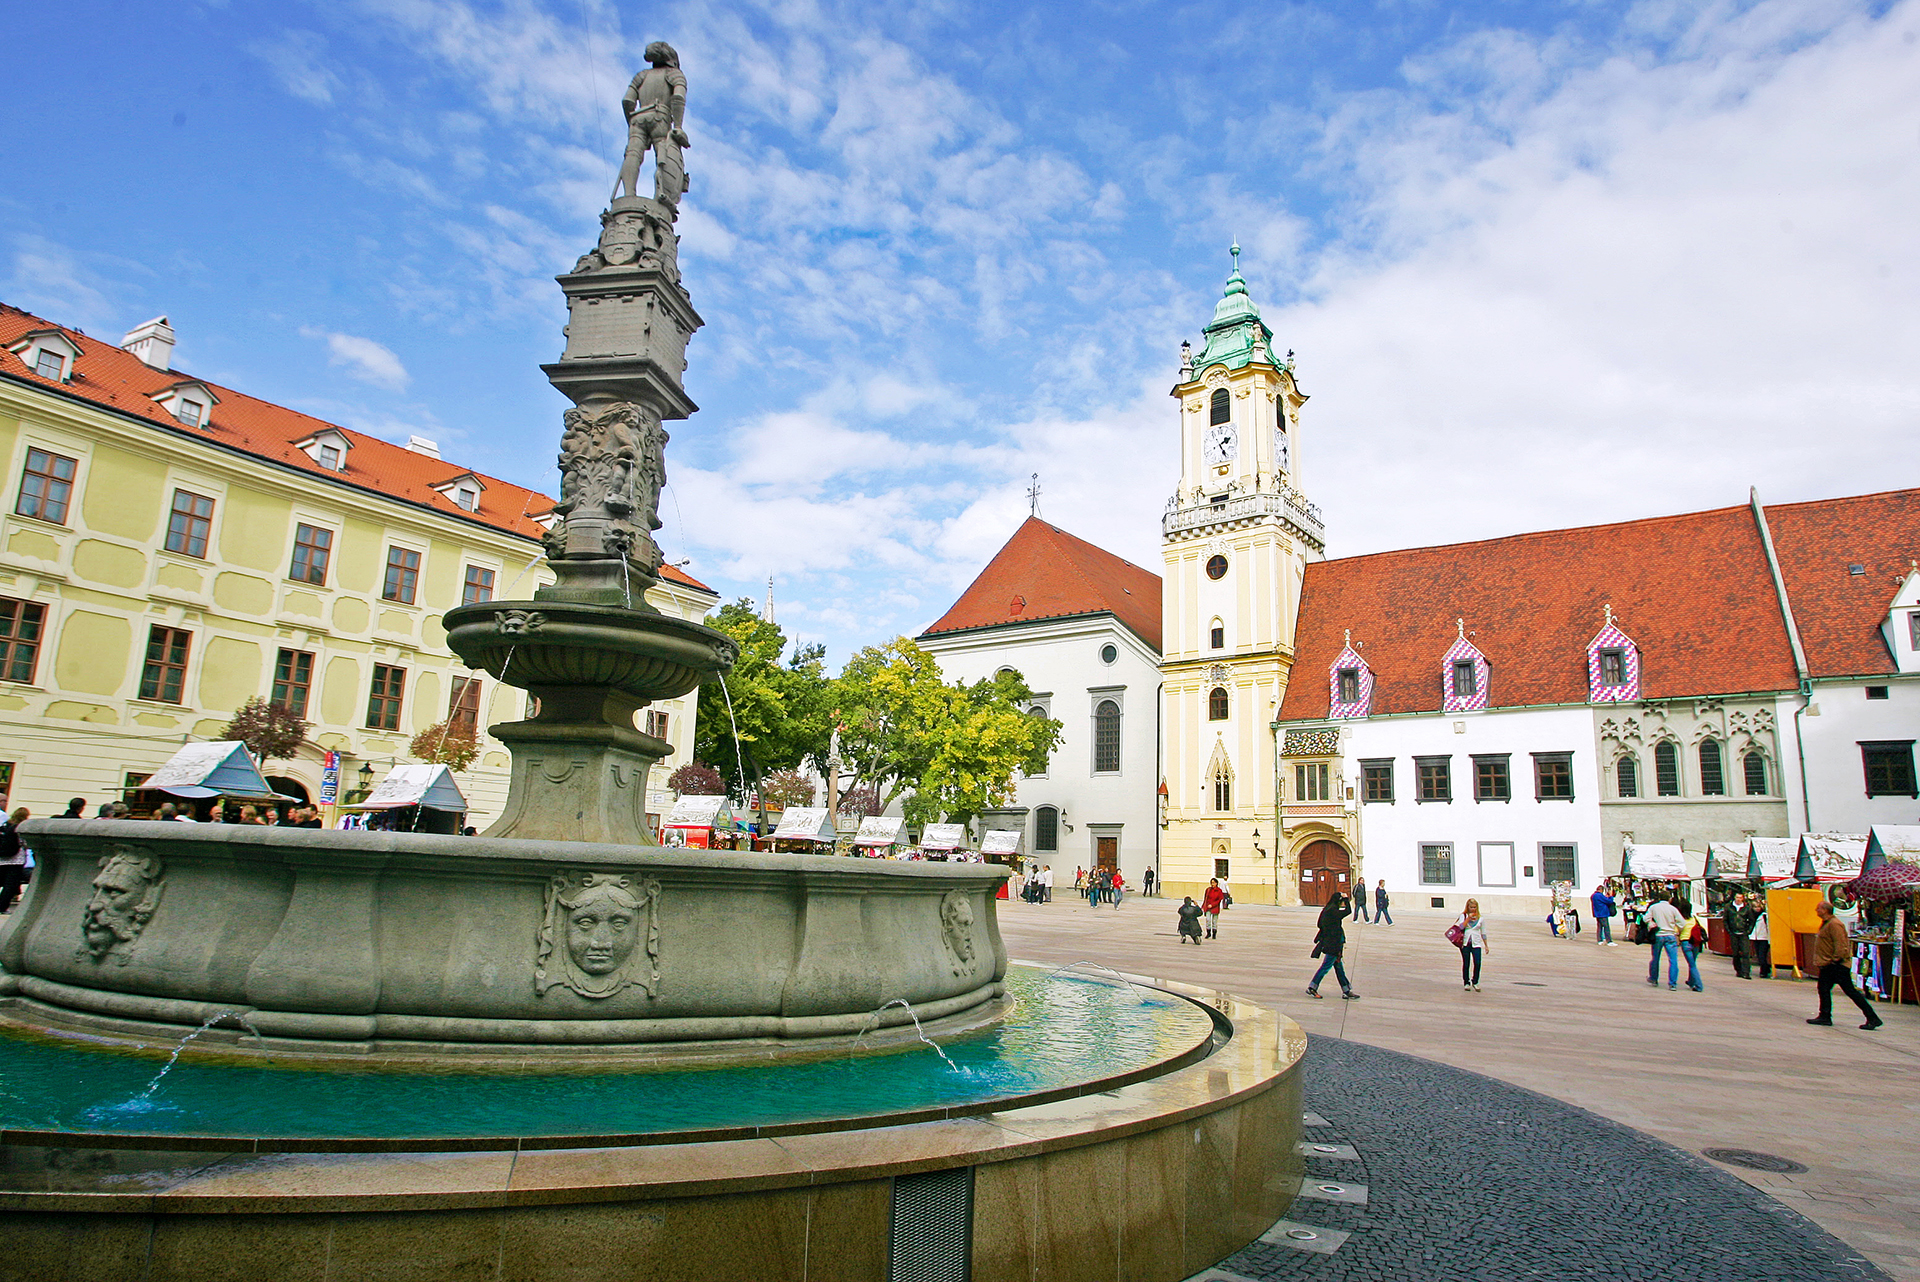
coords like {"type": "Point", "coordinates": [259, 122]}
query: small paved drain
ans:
{"type": "Point", "coordinates": [1302, 1235]}
{"type": "Point", "coordinates": [1755, 1161]}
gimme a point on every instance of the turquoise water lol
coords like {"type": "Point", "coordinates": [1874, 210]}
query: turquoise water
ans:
{"type": "Point", "coordinates": [1064, 1030]}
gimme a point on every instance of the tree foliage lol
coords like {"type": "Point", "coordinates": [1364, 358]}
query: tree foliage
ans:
{"type": "Point", "coordinates": [445, 745]}
{"type": "Point", "coordinates": [696, 779]}
{"type": "Point", "coordinates": [271, 731]}
{"type": "Point", "coordinates": [779, 703]}
{"type": "Point", "coordinates": [783, 788]}
{"type": "Point", "coordinates": [862, 801]}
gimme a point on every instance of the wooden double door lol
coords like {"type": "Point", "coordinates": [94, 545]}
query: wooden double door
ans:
{"type": "Point", "coordinates": [1325, 867]}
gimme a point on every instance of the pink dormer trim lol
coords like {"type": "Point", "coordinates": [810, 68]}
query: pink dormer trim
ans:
{"type": "Point", "coordinates": [1612, 638]}
{"type": "Point", "coordinates": [1482, 670]}
{"type": "Point", "coordinates": [1349, 659]}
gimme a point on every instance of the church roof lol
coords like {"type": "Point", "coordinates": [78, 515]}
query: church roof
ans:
{"type": "Point", "coordinates": [1045, 573]}
{"type": "Point", "coordinates": [1692, 591]}
{"type": "Point", "coordinates": [116, 379]}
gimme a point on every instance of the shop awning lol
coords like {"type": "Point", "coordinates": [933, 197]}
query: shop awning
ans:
{"type": "Point", "coordinates": [1829, 856]}
{"type": "Point", "coordinates": [698, 811]}
{"type": "Point", "coordinates": [805, 823]}
{"type": "Point", "coordinates": [1891, 841]}
{"type": "Point", "coordinates": [943, 837]}
{"type": "Point", "coordinates": [1725, 861]}
{"type": "Point", "coordinates": [422, 785]}
{"type": "Point", "coordinates": [1772, 858]}
{"type": "Point", "coordinates": [1660, 863]}
{"type": "Point", "coordinates": [223, 769]}
{"type": "Point", "coordinates": [996, 841]}
{"type": "Point", "coordinates": [878, 830]}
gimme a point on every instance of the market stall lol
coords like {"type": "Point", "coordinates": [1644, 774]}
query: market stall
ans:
{"type": "Point", "coordinates": [413, 798]}
{"type": "Point", "coordinates": [878, 836]}
{"type": "Point", "coordinates": [1883, 943]}
{"type": "Point", "coordinates": [200, 771]}
{"type": "Point", "coordinates": [1891, 841]}
{"type": "Point", "coordinates": [1771, 859]}
{"type": "Point", "coordinates": [1002, 846]}
{"type": "Point", "coordinates": [803, 830]}
{"type": "Point", "coordinates": [1829, 857]}
{"type": "Point", "coordinates": [944, 841]}
{"type": "Point", "coordinates": [1724, 870]}
{"type": "Point", "coordinates": [693, 819]}
{"type": "Point", "coordinates": [1654, 863]}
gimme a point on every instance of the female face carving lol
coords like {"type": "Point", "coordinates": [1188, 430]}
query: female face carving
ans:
{"type": "Point", "coordinates": [600, 931]}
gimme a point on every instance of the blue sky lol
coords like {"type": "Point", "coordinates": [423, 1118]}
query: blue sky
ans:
{"type": "Point", "coordinates": [1543, 264]}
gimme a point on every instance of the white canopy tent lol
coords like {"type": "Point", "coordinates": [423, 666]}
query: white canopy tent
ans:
{"type": "Point", "coordinates": [879, 830]}
{"type": "Point", "coordinates": [1830, 856]}
{"type": "Point", "coordinates": [805, 823]}
{"type": "Point", "coordinates": [1891, 841]}
{"type": "Point", "coordinates": [1658, 863]}
{"type": "Point", "coordinates": [699, 812]}
{"type": "Point", "coordinates": [415, 785]}
{"type": "Point", "coordinates": [997, 841]}
{"type": "Point", "coordinates": [943, 837]}
{"type": "Point", "coordinates": [1724, 861]}
{"type": "Point", "coordinates": [222, 769]}
{"type": "Point", "coordinates": [1772, 858]}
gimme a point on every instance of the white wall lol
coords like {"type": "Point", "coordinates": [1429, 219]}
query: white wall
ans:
{"type": "Point", "coordinates": [1061, 663]}
{"type": "Point", "coordinates": [1836, 777]}
{"type": "Point", "coordinates": [1391, 833]}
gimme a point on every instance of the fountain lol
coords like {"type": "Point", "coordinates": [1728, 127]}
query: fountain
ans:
{"type": "Point", "coordinates": [561, 1043]}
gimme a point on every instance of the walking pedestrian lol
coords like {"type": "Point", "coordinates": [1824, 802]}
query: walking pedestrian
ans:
{"type": "Point", "coordinates": [1738, 917]}
{"type": "Point", "coordinates": [1119, 887]}
{"type": "Point", "coordinates": [1762, 940]}
{"type": "Point", "coordinates": [1330, 945]}
{"type": "Point", "coordinates": [1360, 902]}
{"type": "Point", "coordinates": [1603, 910]}
{"type": "Point", "coordinates": [1046, 884]}
{"type": "Point", "coordinates": [1210, 903]}
{"type": "Point", "coordinates": [1380, 916]}
{"type": "Point", "coordinates": [1473, 945]}
{"type": "Point", "coordinates": [1189, 913]}
{"type": "Point", "coordinates": [1832, 958]}
{"type": "Point", "coordinates": [1662, 921]}
{"type": "Point", "coordinates": [1693, 938]}
{"type": "Point", "coordinates": [13, 858]}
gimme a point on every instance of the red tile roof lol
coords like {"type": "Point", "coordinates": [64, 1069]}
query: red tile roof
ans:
{"type": "Point", "coordinates": [1045, 573]}
{"type": "Point", "coordinates": [118, 380]}
{"type": "Point", "coordinates": [1838, 612]}
{"type": "Point", "coordinates": [1693, 591]}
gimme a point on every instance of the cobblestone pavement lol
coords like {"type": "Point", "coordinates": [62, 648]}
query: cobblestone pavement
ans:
{"type": "Point", "coordinates": [1467, 1178]}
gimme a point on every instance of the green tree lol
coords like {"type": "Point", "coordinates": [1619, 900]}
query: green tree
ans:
{"type": "Point", "coordinates": [783, 788]}
{"type": "Point", "coordinates": [779, 703]}
{"type": "Point", "coordinates": [447, 745]}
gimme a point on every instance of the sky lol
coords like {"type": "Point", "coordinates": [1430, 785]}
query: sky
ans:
{"type": "Point", "coordinates": [1543, 264]}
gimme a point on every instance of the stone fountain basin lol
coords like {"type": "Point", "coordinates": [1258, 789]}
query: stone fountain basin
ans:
{"type": "Point", "coordinates": [354, 942]}
{"type": "Point", "coordinates": [549, 643]}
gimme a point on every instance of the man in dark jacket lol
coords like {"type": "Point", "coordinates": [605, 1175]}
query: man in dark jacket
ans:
{"type": "Point", "coordinates": [1380, 917]}
{"type": "Point", "coordinates": [1737, 917]}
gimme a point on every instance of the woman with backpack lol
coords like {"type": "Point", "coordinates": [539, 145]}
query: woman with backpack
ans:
{"type": "Point", "coordinates": [1330, 944]}
{"type": "Point", "coordinates": [1469, 935]}
{"type": "Point", "coordinates": [1693, 938]}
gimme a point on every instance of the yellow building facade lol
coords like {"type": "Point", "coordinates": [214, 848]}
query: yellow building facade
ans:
{"type": "Point", "coordinates": [170, 549]}
{"type": "Point", "coordinates": [1236, 539]}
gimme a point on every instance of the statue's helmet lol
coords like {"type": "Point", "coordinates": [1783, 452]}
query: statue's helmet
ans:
{"type": "Point", "coordinates": [661, 54]}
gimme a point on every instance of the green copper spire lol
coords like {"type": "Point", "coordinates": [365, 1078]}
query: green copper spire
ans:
{"type": "Point", "coordinates": [1230, 335]}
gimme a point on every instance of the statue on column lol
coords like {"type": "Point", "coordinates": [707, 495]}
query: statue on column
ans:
{"type": "Point", "coordinates": [656, 107]}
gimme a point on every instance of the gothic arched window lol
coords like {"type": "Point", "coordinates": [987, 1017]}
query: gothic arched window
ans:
{"type": "Point", "coordinates": [1626, 774]}
{"type": "Point", "coordinates": [1666, 768]}
{"type": "Point", "coordinates": [1046, 829]}
{"type": "Point", "coordinates": [1713, 783]}
{"type": "Point", "coordinates": [1756, 768]}
{"type": "Point", "coordinates": [1106, 737]}
{"type": "Point", "coordinates": [1041, 714]}
{"type": "Point", "coordinates": [1222, 788]}
{"type": "Point", "coordinates": [1217, 704]}
{"type": "Point", "coordinates": [1222, 410]}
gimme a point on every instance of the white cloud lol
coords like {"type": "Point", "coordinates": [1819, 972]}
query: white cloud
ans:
{"type": "Point", "coordinates": [53, 281]}
{"type": "Point", "coordinates": [295, 57]}
{"type": "Point", "coordinates": [363, 359]}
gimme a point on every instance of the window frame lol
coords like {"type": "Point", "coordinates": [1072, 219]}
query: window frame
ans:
{"type": "Point", "coordinates": [1046, 766]}
{"type": "Point", "coordinates": [12, 643]}
{"type": "Point", "coordinates": [1312, 781]}
{"type": "Point", "coordinates": [1540, 861]}
{"type": "Point", "coordinates": [189, 526]}
{"type": "Point", "coordinates": [301, 544]}
{"type": "Point", "coordinates": [1222, 790]}
{"type": "Point", "coordinates": [154, 671]}
{"type": "Point", "coordinates": [1480, 849]}
{"type": "Point", "coordinates": [1501, 764]}
{"type": "Point", "coordinates": [658, 723]}
{"type": "Point", "coordinates": [1445, 853]}
{"type": "Point", "coordinates": [408, 575]}
{"type": "Point", "coordinates": [1105, 737]}
{"type": "Point", "coordinates": [1895, 751]}
{"type": "Point", "coordinates": [1219, 704]}
{"type": "Point", "coordinates": [1375, 770]}
{"type": "Point", "coordinates": [1661, 768]}
{"type": "Point", "coordinates": [1713, 782]}
{"type": "Point", "coordinates": [1421, 764]}
{"type": "Point", "coordinates": [1559, 763]}
{"type": "Point", "coordinates": [1754, 761]}
{"type": "Point", "coordinates": [1464, 668]}
{"type": "Point", "coordinates": [43, 496]}
{"type": "Point", "coordinates": [1627, 786]}
{"type": "Point", "coordinates": [1347, 680]}
{"type": "Point", "coordinates": [1613, 668]}
{"type": "Point", "coordinates": [1219, 407]}
{"type": "Point", "coordinates": [386, 695]}
{"type": "Point", "coordinates": [1046, 830]}
{"type": "Point", "coordinates": [468, 585]}
{"type": "Point", "coordinates": [1217, 566]}
{"type": "Point", "coordinates": [41, 356]}
{"type": "Point", "coordinates": [1913, 629]}
{"type": "Point", "coordinates": [290, 674]}
{"type": "Point", "coordinates": [463, 705]}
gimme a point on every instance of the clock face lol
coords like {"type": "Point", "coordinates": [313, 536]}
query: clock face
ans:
{"type": "Point", "coordinates": [1222, 444]}
{"type": "Point", "coordinates": [1281, 452]}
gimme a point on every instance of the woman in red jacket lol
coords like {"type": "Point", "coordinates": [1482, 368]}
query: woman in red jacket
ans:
{"type": "Point", "coordinates": [1210, 904]}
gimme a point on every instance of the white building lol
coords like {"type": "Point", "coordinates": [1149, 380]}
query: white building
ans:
{"type": "Point", "coordinates": [1082, 627]}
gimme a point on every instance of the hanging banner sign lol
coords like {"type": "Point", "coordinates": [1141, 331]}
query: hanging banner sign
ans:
{"type": "Point", "coordinates": [330, 779]}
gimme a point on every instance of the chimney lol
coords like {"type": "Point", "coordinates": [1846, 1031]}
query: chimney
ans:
{"type": "Point", "coordinates": [152, 342]}
{"type": "Point", "coordinates": [421, 445]}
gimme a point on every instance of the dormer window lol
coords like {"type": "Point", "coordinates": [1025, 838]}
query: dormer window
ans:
{"type": "Point", "coordinates": [1463, 676]}
{"type": "Point", "coordinates": [329, 457]}
{"type": "Point", "coordinates": [1349, 685]}
{"type": "Point", "coordinates": [1351, 691]}
{"type": "Point", "coordinates": [1613, 665]}
{"type": "Point", "coordinates": [1466, 682]}
{"type": "Point", "coordinates": [190, 412]}
{"type": "Point", "coordinates": [191, 404]}
{"type": "Point", "coordinates": [463, 492]}
{"type": "Point", "coordinates": [48, 353]}
{"type": "Point", "coordinates": [328, 449]}
{"type": "Point", "coordinates": [47, 364]}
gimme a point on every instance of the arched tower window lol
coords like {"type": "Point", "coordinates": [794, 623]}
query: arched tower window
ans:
{"type": "Point", "coordinates": [1222, 410]}
{"type": "Point", "coordinates": [1755, 764]}
{"type": "Point", "coordinates": [1713, 782]}
{"type": "Point", "coordinates": [1046, 829]}
{"type": "Point", "coordinates": [1106, 737]}
{"type": "Point", "coordinates": [1666, 768]}
{"type": "Point", "coordinates": [1626, 774]}
{"type": "Point", "coordinates": [1217, 704]}
{"type": "Point", "coordinates": [1041, 714]}
{"type": "Point", "coordinates": [1222, 788]}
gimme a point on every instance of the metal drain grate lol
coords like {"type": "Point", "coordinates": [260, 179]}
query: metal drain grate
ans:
{"type": "Point", "coordinates": [931, 1235]}
{"type": "Point", "coordinates": [1755, 1161]}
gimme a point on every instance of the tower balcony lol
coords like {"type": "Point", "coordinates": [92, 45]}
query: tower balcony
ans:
{"type": "Point", "coordinates": [1287, 504]}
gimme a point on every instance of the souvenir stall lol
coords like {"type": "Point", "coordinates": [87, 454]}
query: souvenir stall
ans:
{"type": "Point", "coordinates": [1724, 870]}
{"type": "Point", "coordinates": [1883, 954]}
{"type": "Point", "coordinates": [693, 819]}
{"type": "Point", "coordinates": [878, 837]}
{"type": "Point", "coordinates": [1829, 857]}
{"type": "Point", "coordinates": [1771, 860]}
{"type": "Point", "coordinates": [999, 846]}
{"type": "Point", "coordinates": [412, 798]}
{"type": "Point", "coordinates": [1645, 870]}
{"type": "Point", "coordinates": [1890, 841]}
{"type": "Point", "coordinates": [805, 830]}
{"type": "Point", "coordinates": [207, 771]}
{"type": "Point", "coordinates": [945, 842]}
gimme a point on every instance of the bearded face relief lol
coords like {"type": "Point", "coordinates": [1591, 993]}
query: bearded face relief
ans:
{"type": "Point", "coordinates": [126, 891]}
{"type": "Point", "coordinates": [600, 935]}
{"type": "Point", "coordinates": [956, 926]}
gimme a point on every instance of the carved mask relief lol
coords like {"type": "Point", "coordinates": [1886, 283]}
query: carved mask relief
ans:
{"type": "Point", "coordinates": [956, 927]}
{"type": "Point", "coordinates": [600, 935]}
{"type": "Point", "coordinates": [126, 891]}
